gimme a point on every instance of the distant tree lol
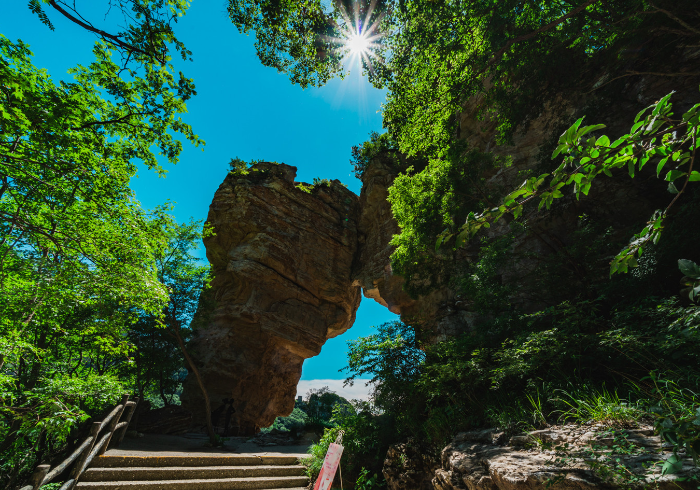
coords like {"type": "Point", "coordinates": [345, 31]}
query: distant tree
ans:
{"type": "Point", "coordinates": [320, 404]}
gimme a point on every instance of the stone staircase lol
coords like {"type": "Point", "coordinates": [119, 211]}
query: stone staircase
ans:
{"type": "Point", "coordinates": [194, 472]}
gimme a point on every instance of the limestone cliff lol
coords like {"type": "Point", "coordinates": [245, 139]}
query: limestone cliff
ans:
{"type": "Point", "coordinates": [281, 258]}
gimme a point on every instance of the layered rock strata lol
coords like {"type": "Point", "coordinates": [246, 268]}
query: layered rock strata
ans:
{"type": "Point", "coordinates": [372, 270]}
{"type": "Point", "coordinates": [282, 257]}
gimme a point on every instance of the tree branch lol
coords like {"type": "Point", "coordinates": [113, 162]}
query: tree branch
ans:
{"type": "Point", "coordinates": [103, 34]}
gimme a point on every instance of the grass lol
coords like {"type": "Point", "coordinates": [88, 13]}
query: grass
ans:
{"type": "Point", "coordinates": [599, 405]}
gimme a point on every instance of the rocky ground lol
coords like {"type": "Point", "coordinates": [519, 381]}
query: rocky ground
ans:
{"type": "Point", "coordinates": [565, 456]}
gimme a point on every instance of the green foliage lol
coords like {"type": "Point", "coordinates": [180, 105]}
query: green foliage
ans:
{"type": "Point", "coordinates": [239, 166]}
{"type": "Point", "coordinates": [158, 368]}
{"type": "Point", "coordinates": [317, 452]}
{"type": "Point", "coordinates": [526, 370]}
{"type": "Point", "coordinates": [317, 183]}
{"type": "Point", "coordinates": [379, 146]}
{"type": "Point", "coordinates": [37, 9]}
{"type": "Point", "coordinates": [83, 267]}
{"type": "Point", "coordinates": [677, 417]}
{"type": "Point", "coordinates": [320, 405]}
{"type": "Point", "coordinates": [655, 136]}
{"type": "Point", "coordinates": [80, 258]}
{"type": "Point", "coordinates": [366, 438]}
{"type": "Point", "coordinates": [295, 422]}
{"type": "Point", "coordinates": [300, 37]}
{"type": "Point", "coordinates": [390, 357]}
{"type": "Point", "coordinates": [509, 59]}
{"type": "Point", "coordinates": [424, 203]}
{"type": "Point", "coordinates": [691, 278]}
{"type": "Point", "coordinates": [599, 405]}
{"type": "Point", "coordinates": [367, 482]}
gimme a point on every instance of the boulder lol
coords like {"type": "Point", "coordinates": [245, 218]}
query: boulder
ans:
{"type": "Point", "coordinates": [554, 458]}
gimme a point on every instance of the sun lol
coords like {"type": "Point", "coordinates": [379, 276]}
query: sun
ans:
{"type": "Point", "coordinates": [359, 39]}
{"type": "Point", "coordinates": [358, 44]}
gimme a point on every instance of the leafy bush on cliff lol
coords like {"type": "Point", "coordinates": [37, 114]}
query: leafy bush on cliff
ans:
{"type": "Point", "coordinates": [377, 147]}
{"type": "Point", "coordinates": [425, 203]}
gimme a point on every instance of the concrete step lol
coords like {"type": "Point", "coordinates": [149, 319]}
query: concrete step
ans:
{"type": "Point", "coordinates": [188, 473]}
{"type": "Point", "coordinates": [190, 460]}
{"type": "Point", "coordinates": [267, 483]}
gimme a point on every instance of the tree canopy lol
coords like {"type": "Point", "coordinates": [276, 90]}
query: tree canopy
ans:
{"type": "Point", "coordinates": [434, 56]}
{"type": "Point", "coordinates": [83, 267]}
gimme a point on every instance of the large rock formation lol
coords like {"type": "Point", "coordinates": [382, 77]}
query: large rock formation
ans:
{"type": "Point", "coordinates": [281, 257]}
{"type": "Point", "coordinates": [289, 263]}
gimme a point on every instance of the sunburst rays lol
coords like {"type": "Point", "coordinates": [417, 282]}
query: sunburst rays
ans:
{"type": "Point", "coordinates": [359, 37]}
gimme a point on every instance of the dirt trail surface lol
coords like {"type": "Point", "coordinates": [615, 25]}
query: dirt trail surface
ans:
{"type": "Point", "coordinates": [197, 445]}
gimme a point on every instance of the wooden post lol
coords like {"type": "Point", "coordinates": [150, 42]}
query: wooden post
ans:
{"type": "Point", "coordinates": [38, 476]}
{"type": "Point", "coordinates": [79, 465]}
{"type": "Point", "coordinates": [127, 418]}
{"type": "Point", "coordinates": [113, 423]}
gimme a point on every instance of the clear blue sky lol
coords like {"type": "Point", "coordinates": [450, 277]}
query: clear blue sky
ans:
{"type": "Point", "coordinates": [242, 109]}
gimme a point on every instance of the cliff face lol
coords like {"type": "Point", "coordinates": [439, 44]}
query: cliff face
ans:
{"type": "Point", "coordinates": [281, 260]}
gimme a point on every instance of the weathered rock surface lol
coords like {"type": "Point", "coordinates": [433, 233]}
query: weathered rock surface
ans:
{"type": "Point", "coordinates": [551, 458]}
{"type": "Point", "coordinates": [407, 466]}
{"type": "Point", "coordinates": [282, 260]}
{"type": "Point", "coordinates": [372, 270]}
{"type": "Point", "coordinates": [376, 228]}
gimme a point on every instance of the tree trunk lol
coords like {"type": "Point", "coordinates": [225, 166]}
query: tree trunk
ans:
{"type": "Point", "coordinates": [207, 405]}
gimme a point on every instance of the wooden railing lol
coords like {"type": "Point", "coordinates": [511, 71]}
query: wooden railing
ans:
{"type": "Point", "coordinates": [93, 446]}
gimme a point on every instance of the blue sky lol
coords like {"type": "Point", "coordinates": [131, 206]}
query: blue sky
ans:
{"type": "Point", "coordinates": [242, 109]}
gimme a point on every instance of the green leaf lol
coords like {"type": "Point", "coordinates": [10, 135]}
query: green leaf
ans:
{"type": "Point", "coordinates": [674, 174]}
{"type": "Point", "coordinates": [569, 135]}
{"type": "Point", "coordinates": [671, 436]}
{"type": "Point", "coordinates": [694, 176]}
{"type": "Point", "coordinates": [636, 126]}
{"type": "Point", "coordinates": [588, 129]}
{"type": "Point", "coordinates": [660, 166]}
{"type": "Point", "coordinates": [672, 465]}
{"type": "Point", "coordinates": [617, 142]}
{"type": "Point", "coordinates": [603, 141]}
{"type": "Point", "coordinates": [558, 150]}
{"type": "Point", "coordinates": [439, 241]}
{"type": "Point", "coordinates": [689, 268]}
{"type": "Point", "coordinates": [641, 113]}
{"type": "Point", "coordinates": [672, 188]}
{"type": "Point", "coordinates": [691, 112]}
{"type": "Point", "coordinates": [517, 211]}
